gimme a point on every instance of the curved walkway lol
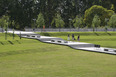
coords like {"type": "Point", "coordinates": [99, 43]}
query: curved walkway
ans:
{"type": "Point", "coordinates": [74, 45]}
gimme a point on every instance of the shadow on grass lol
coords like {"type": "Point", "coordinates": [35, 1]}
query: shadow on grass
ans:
{"type": "Point", "coordinates": [2, 43]}
{"type": "Point", "coordinates": [18, 41]}
{"type": "Point", "coordinates": [96, 33]}
{"type": "Point", "coordinates": [11, 42]}
{"type": "Point", "coordinates": [45, 34]}
{"type": "Point", "coordinates": [108, 33]}
{"type": "Point", "coordinates": [9, 34]}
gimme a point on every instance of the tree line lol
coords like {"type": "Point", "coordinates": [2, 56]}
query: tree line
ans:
{"type": "Point", "coordinates": [19, 14]}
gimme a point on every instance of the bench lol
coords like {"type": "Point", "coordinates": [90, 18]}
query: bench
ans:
{"type": "Point", "coordinates": [106, 50]}
{"type": "Point", "coordinates": [33, 36]}
{"type": "Point", "coordinates": [58, 41]}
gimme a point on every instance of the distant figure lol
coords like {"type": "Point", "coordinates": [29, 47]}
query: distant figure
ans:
{"type": "Point", "coordinates": [68, 37]}
{"type": "Point", "coordinates": [34, 29]}
{"type": "Point", "coordinates": [78, 38]}
{"type": "Point", "coordinates": [73, 37]}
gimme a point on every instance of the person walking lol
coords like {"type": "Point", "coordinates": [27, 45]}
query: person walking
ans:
{"type": "Point", "coordinates": [68, 37]}
{"type": "Point", "coordinates": [78, 38]}
{"type": "Point", "coordinates": [73, 36]}
{"type": "Point", "coordinates": [33, 29]}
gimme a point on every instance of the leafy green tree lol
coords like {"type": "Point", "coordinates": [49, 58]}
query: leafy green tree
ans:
{"type": "Point", "coordinates": [96, 22]}
{"type": "Point", "coordinates": [24, 11]}
{"type": "Point", "coordinates": [68, 10]}
{"type": "Point", "coordinates": [59, 23]}
{"type": "Point", "coordinates": [112, 21]}
{"type": "Point", "coordinates": [6, 23]}
{"type": "Point", "coordinates": [106, 25]}
{"type": "Point", "coordinates": [77, 22]}
{"type": "Point", "coordinates": [100, 11]}
{"type": "Point", "coordinates": [2, 24]}
{"type": "Point", "coordinates": [40, 21]}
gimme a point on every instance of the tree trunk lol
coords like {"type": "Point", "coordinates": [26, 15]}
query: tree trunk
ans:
{"type": "Point", "coordinates": [114, 29]}
{"type": "Point", "coordinates": [106, 29]}
{"type": "Point", "coordinates": [13, 34]}
{"type": "Point", "coordinates": [6, 34]}
{"type": "Point", "coordinates": [2, 29]}
{"type": "Point", "coordinates": [93, 29]}
{"type": "Point", "coordinates": [59, 29]}
{"type": "Point", "coordinates": [20, 35]}
{"type": "Point", "coordinates": [96, 29]}
{"type": "Point", "coordinates": [41, 30]}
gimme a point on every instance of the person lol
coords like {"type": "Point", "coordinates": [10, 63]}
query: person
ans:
{"type": "Point", "coordinates": [68, 37]}
{"type": "Point", "coordinates": [34, 29]}
{"type": "Point", "coordinates": [78, 37]}
{"type": "Point", "coordinates": [73, 36]}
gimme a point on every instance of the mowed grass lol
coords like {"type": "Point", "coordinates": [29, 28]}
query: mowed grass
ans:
{"type": "Point", "coordinates": [105, 39]}
{"type": "Point", "coordinates": [31, 58]}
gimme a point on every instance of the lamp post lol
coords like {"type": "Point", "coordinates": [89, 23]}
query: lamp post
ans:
{"type": "Point", "coordinates": [6, 30]}
{"type": "Point", "coordinates": [60, 24]}
{"type": "Point", "coordinates": [20, 35]}
{"type": "Point", "coordinates": [70, 23]}
{"type": "Point", "coordinates": [106, 20]}
{"type": "Point", "coordinates": [34, 25]}
{"type": "Point", "coordinates": [13, 23]}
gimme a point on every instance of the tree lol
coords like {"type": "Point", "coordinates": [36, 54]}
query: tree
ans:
{"type": "Point", "coordinates": [96, 22]}
{"type": "Point", "coordinates": [77, 22]}
{"type": "Point", "coordinates": [13, 24]}
{"type": "Point", "coordinates": [112, 21]}
{"type": "Point", "coordinates": [24, 11]}
{"type": "Point", "coordinates": [6, 23]}
{"type": "Point", "coordinates": [99, 10]}
{"type": "Point", "coordinates": [106, 25]}
{"type": "Point", "coordinates": [107, 4]}
{"type": "Point", "coordinates": [40, 21]}
{"type": "Point", "coordinates": [59, 23]}
{"type": "Point", "coordinates": [1, 23]}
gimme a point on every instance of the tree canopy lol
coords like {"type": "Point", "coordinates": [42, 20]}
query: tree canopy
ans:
{"type": "Point", "coordinates": [77, 22]}
{"type": "Point", "coordinates": [40, 21]}
{"type": "Point", "coordinates": [112, 21]}
{"type": "Point", "coordinates": [100, 11]}
{"type": "Point", "coordinates": [24, 11]}
{"type": "Point", "coordinates": [59, 23]}
{"type": "Point", "coordinates": [96, 22]}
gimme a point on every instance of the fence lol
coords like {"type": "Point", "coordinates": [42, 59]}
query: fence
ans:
{"type": "Point", "coordinates": [1, 30]}
{"type": "Point", "coordinates": [67, 30]}
{"type": "Point", "coordinates": [64, 29]}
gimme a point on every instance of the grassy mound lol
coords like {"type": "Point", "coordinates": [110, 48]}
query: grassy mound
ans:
{"type": "Point", "coordinates": [105, 39]}
{"type": "Point", "coordinates": [31, 58]}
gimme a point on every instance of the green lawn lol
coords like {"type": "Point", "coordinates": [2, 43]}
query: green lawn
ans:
{"type": "Point", "coordinates": [31, 58]}
{"type": "Point", "coordinates": [102, 38]}
{"type": "Point", "coordinates": [105, 41]}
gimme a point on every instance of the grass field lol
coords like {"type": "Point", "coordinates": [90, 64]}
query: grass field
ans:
{"type": "Point", "coordinates": [102, 38]}
{"type": "Point", "coordinates": [31, 58]}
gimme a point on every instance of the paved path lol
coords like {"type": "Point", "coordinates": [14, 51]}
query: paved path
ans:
{"type": "Point", "coordinates": [74, 45]}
